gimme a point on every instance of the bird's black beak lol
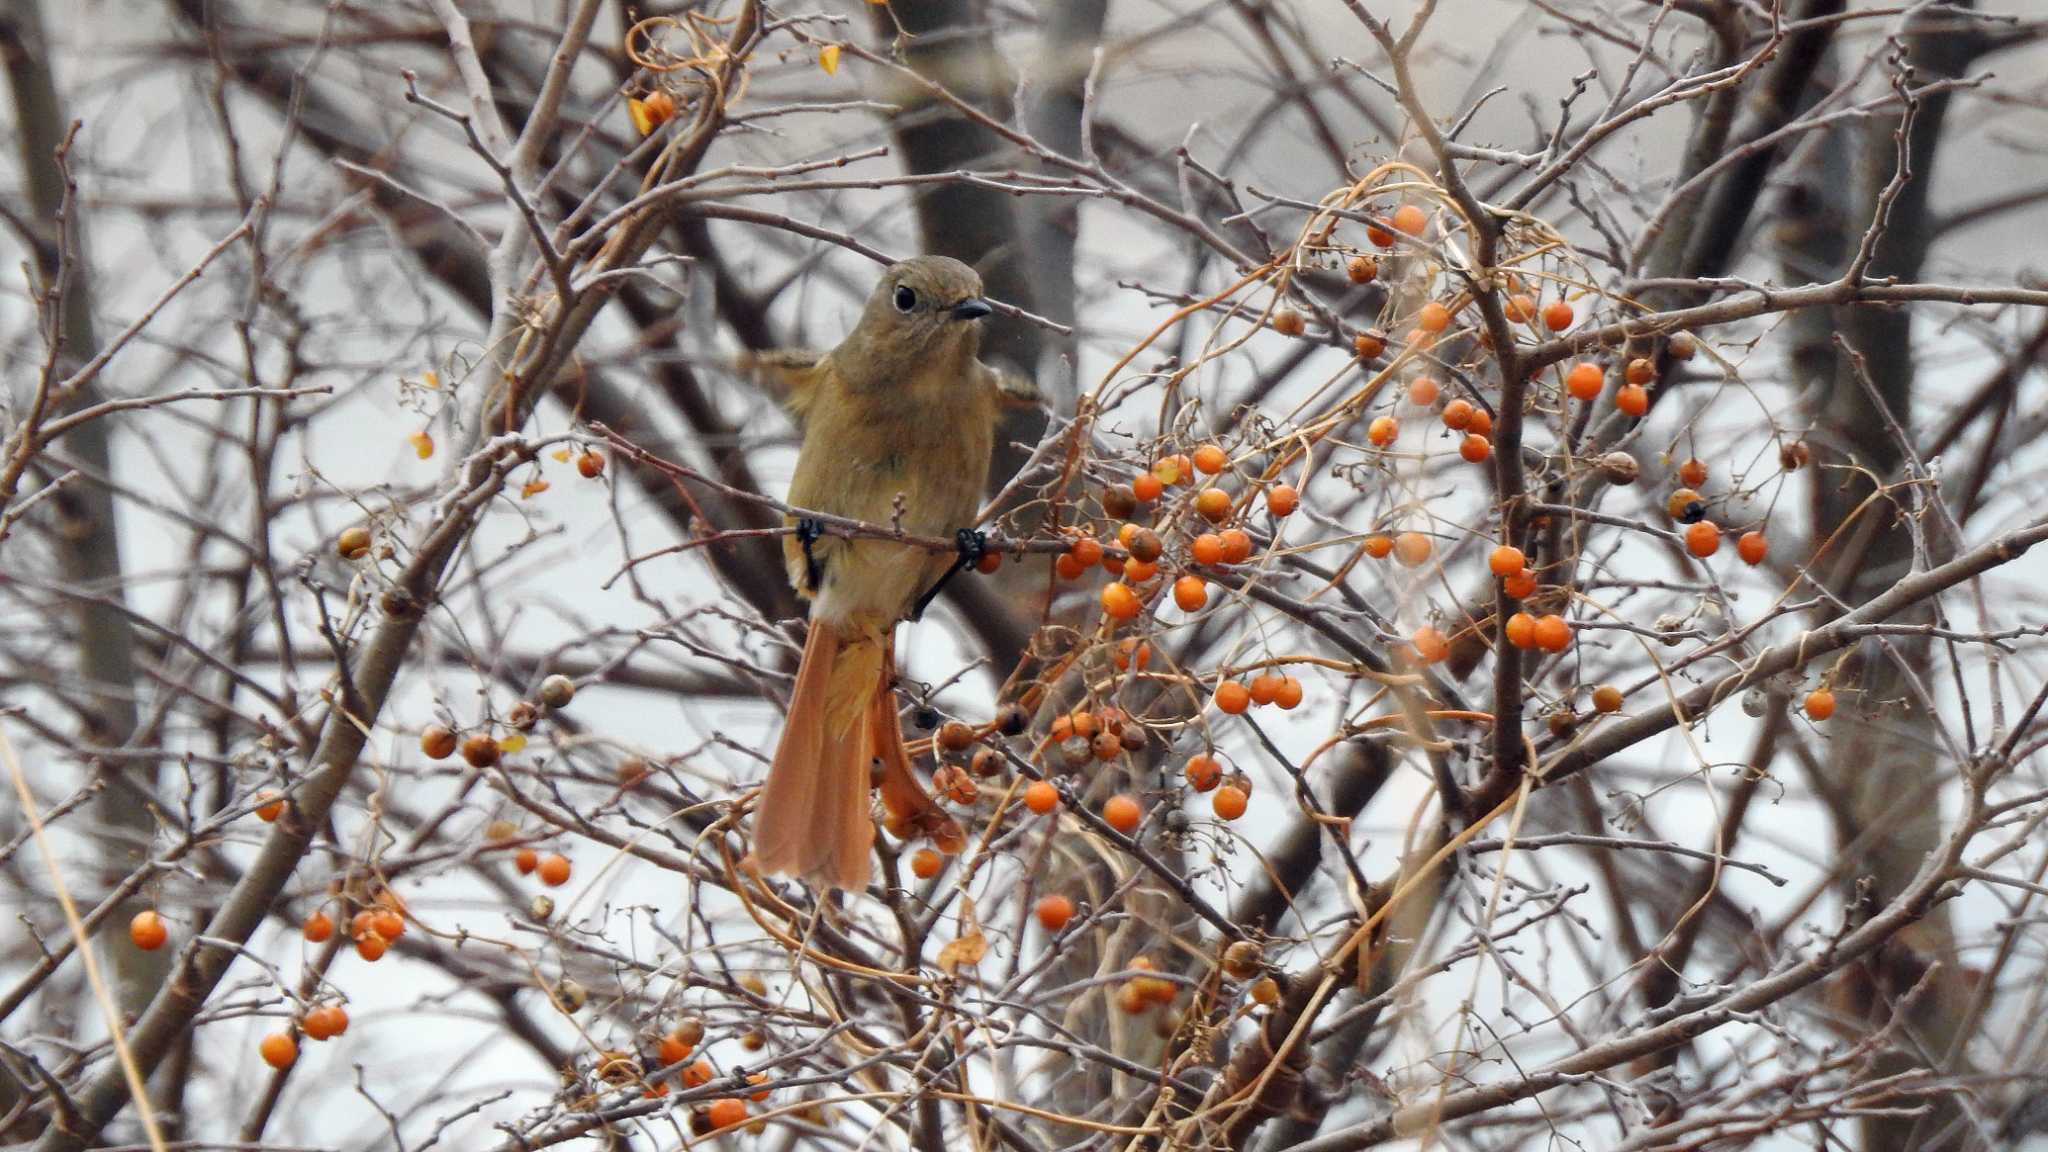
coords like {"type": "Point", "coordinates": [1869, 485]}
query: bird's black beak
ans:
{"type": "Point", "coordinates": [972, 308]}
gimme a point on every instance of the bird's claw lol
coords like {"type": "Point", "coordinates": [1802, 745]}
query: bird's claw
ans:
{"type": "Point", "coordinates": [972, 546]}
{"type": "Point", "coordinates": [808, 531]}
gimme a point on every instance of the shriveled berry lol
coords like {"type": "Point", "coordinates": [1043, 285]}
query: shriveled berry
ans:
{"type": "Point", "coordinates": [480, 750]}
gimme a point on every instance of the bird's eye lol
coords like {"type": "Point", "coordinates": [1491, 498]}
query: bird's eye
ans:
{"type": "Point", "coordinates": [906, 298]}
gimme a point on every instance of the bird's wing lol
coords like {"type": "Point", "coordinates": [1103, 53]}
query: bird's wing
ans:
{"type": "Point", "coordinates": [788, 374]}
{"type": "Point", "coordinates": [1013, 389]}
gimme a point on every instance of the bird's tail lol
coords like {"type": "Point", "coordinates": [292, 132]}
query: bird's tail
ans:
{"type": "Point", "coordinates": [911, 810]}
{"type": "Point", "coordinates": [812, 817]}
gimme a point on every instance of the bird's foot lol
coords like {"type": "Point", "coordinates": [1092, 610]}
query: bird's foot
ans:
{"type": "Point", "coordinates": [972, 546]}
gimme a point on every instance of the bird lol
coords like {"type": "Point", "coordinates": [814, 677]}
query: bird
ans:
{"type": "Point", "coordinates": [898, 426]}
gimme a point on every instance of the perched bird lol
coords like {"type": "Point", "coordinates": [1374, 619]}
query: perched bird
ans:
{"type": "Point", "coordinates": [899, 421]}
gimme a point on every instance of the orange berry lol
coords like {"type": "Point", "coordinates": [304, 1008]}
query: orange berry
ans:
{"type": "Point", "coordinates": [1265, 687]}
{"type": "Point", "coordinates": [1506, 560]}
{"type": "Point", "coordinates": [1122, 813]}
{"type": "Point", "coordinates": [1206, 549]}
{"type": "Point", "coordinates": [1519, 308]}
{"type": "Point", "coordinates": [554, 870]}
{"type": "Point", "coordinates": [698, 1074]}
{"type": "Point", "coordinates": [1175, 469]}
{"type": "Point", "coordinates": [326, 1022]}
{"type": "Point", "coordinates": [1632, 399]}
{"type": "Point", "coordinates": [1475, 448]}
{"type": "Point", "coordinates": [1607, 698]}
{"type": "Point", "coordinates": [1229, 802]}
{"type": "Point", "coordinates": [1237, 545]}
{"type": "Point", "coordinates": [437, 742]}
{"type": "Point", "coordinates": [1282, 499]}
{"type": "Point", "coordinates": [279, 1049]}
{"type": "Point", "coordinates": [1703, 539]}
{"type": "Point", "coordinates": [1203, 772]}
{"type": "Point", "coordinates": [590, 465]}
{"type": "Point", "coordinates": [1433, 317]}
{"type": "Point", "coordinates": [1147, 487]}
{"type": "Point", "coordinates": [318, 927]}
{"type": "Point", "coordinates": [1086, 550]}
{"type": "Point", "coordinates": [269, 806]}
{"type": "Point", "coordinates": [1553, 634]}
{"type": "Point", "coordinates": [388, 924]}
{"type": "Point", "coordinates": [1233, 697]}
{"type": "Point", "coordinates": [1430, 644]}
{"type": "Point", "coordinates": [1820, 704]}
{"type": "Point", "coordinates": [1041, 797]}
{"type": "Point", "coordinates": [1131, 648]}
{"type": "Point", "coordinates": [1585, 381]}
{"type": "Point", "coordinates": [988, 564]}
{"type": "Point", "coordinates": [1138, 571]}
{"type": "Point", "coordinates": [479, 750]}
{"type": "Point", "coordinates": [1481, 423]}
{"type": "Point", "coordinates": [1209, 459]}
{"type": "Point", "coordinates": [1640, 371]}
{"type": "Point", "coordinates": [1557, 316]}
{"type": "Point", "coordinates": [1423, 391]}
{"type": "Point", "coordinates": [1054, 912]}
{"type": "Point", "coordinates": [925, 863]}
{"type": "Point", "coordinates": [1214, 505]}
{"type": "Point", "coordinates": [1083, 723]}
{"type": "Point", "coordinates": [146, 931]}
{"type": "Point", "coordinates": [1369, 345]}
{"type": "Point", "coordinates": [1752, 547]}
{"type": "Point", "coordinates": [1288, 322]}
{"type": "Point", "coordinates": [1458, 414]}
{"type": "Point", "coordinates": [726, 1113]}
{"type": "Point", "coordinates": [758, 1078]}
{"type": "Point", "coordinates": [526, 860]}
{"type": "Point", "coordinates": [1410, 219]}
{"type": "Point", "coordinates": [1380, 237]}
{"type": "Point", "coordinates": [674, 1049]}
{"type": "Point", "coordinates": [1288, 697]}
{"type": "Point", "coordinates": [1382, 431]}
{"type": "Point", "coordinates": [1521, 630]}
{"type": "Point", "coordinates": [1520, 586]}
{"type": "Point", "coordinates": [371, 947]}
{"type": "Point", "coordinates": [1190, 593]}
{"type": "Point", "coordinates": [1413, 549]}
{"type": "Point", "coordinates": [1362, 269]}
{"type": "Point", "coordinates": [1692, 473]}
{"type": "Point", "coordinates": [1377, 546]}
{"type": "Point", "coordinates": [1119, 602]}
{"type": "Point", "coordinates": [1069, 568]}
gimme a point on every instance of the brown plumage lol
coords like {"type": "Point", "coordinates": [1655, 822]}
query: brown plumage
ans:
{"type": "Point", "coordinates": [901, 409]}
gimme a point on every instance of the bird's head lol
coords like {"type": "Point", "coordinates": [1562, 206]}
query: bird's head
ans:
{"type": "Point", "coordinates": [925, 309]}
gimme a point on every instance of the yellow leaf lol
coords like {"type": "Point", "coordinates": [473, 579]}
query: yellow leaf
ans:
{"type": "Point", "coordinates": [643, 117]}
{"type": "Point", "coordinates": [430, 378]}
{"type": "Point", "coordinates": [532, 488]}
{"type": "Point", "coordinates": [422, 444]}
{"type": "Point", "coordinates": [969, 947]}
{"type": "Point", "coordinates": [828, 59]}
{"type": "Point", "coordinates": [561, 455]}
{"type": "Point", "coordinates": [512, 742]}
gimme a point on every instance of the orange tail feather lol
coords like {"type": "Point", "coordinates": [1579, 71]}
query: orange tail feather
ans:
{"type": "Point", "coordinates": [911, 809]}
{"type": "Point", "coordinates": [812, 817]}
